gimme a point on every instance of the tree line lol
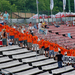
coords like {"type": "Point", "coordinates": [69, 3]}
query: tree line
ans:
{"type": "Point", "coordinates": [30, 5]}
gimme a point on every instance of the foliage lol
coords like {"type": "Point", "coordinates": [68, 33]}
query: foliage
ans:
{"type": "Point", "coordinates": [30, 5]}
{"type": "Point", "coordinates": [6, 6]}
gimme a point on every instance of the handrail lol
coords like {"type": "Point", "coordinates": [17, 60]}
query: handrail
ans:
{"type": "Point", "coordinates": [8, 72]}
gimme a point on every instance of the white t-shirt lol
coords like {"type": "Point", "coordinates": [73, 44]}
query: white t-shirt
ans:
{"type": "Point", "coordinates": [39, 25]}
{"type": "Point", "coordinates": [14, 27]}
{"type": "Point", "coordinates": [31, 28]}
{"type": "Point", "coordinates": [1, 19]}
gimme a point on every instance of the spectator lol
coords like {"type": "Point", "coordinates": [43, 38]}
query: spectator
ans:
{"type": "Point", "coordinates": [23, 28]}
{"type": "Point", "coordinates": [51, 49]}
{"type": "Point", "coordinates": [6, 15]}
{"type": "Point", "coordinates": [35, 38]}
{"type": "Point", "coordinates": [16, 35]}
{"type": "Point", "coordinates": [56, 24]}
{"type": "Point", "coordinates": [59, 57]}
{"type": "Point", "coordinates": [39, 27]}
{"type": "Point", "coordinates": [25, 39]}
{"type": "Point", "coordinates": [14, 26]}
{"type": "Point", "coordinates": [45, 24]}
{"type": "Point", "coordinates": [20, 38]}
{"type": "Point", "coordinates": [11, 33]}
{"type": "Point", "coordinates": [1, 27]}
{"type": "Point", "coordinates": [31, 29]}
{"type": "Point", "coordinates": [7, 29]}
{"type": "Point", "coordinates": [36, 26]}
{"type": "Point", "coordinates": [4, 38]}
{"type": "Point", "coordinates": [30, 24]}
{"type": "Point", "coordinates": [1, 19]}
{"type": "Point", "coordinates": [56, 46]}
{"type": "Point", "coordinates": [29, 40]}
{"type": "Point", "coordinates": [10, 42]}
{"type": "Point", "coordinates": [46, 46]}
{"type": "Point", "coordinates": [44, 29]}
{"type": "Point", "coordinates": [41, 46]}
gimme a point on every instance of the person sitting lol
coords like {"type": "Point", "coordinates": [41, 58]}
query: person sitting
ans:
{"type": "Point", "coordinates": [10, 42]}
{"type": "Point", "coordinates": [44, 29]}
{"type": "Point", "coordinates": [56, 24]}
{"type": "Point", "coordinates": [68, 23]}
{"type": "Point", "coordinates": [36, 26]}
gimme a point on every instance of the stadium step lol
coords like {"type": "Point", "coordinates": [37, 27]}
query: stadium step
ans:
{"type": "Point", "coordinates": [14, 52]}
{"type": "Point", "coordinates": [16, 69]}
{"type": "Point", "coordinates": [26, 62]}
{"type": "Point", "coordinates": [51, 66]}
{"type": "Point", "coordinates": [4, 59]}
{"type": "Point", "coordinates": [33, 71]}
{"type": "Point", "coordinates": [24, 55]}
{"type": "Point", "coordinates": [8, 48]}
{"type": "Point", "coordinates": [9, 64]}
{"type": "Point", "coordinates": [44, 62]}
{"type": "Point", "coordinates": [62, 70]}
{"type": "Point", "coordinates": [69, 73]}
{"type": "Point", "coordinates": [45, 73]}
{"type": "Point", "coordinates": [33, 59]}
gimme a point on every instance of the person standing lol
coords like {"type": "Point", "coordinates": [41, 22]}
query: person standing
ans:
{"type": "Point", "coordinates": [25, 35]}
{"type": "Point", "coordinates": [59, 57]}
{"type": "Point", "coordinates": [16, 35]}
{"type": "Point", "coordinates": [4, 38]}
{"type": "Point", "coordinates": [6, 15]}
{"type": "Point", "coordinates": [11, 33]}
{"type": "Point", "coordinates": [29, 41]}
{"type": "Point", "coordinates": [20, 37]}
{"type": "Point", "coordinates": [35, 41]}
{"type": "Point", "coordinates": [51, 49]}
{"type": "Point", "coordinates": [41, 46]}
{"type": "Point", "coordinates": [46, 46]}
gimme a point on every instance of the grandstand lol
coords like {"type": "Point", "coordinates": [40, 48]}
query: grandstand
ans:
{"type": "Point", "coordinates": [15, 60]}
{"type": "Point", "coordinates": [61, 35]}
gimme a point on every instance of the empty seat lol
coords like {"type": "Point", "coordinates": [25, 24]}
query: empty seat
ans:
{"type": "Point", "coordinates": [45, 73]}
{"type": "Point", "coordinates": [69, 73]}
{"type": "Point", "coordinates": [24, 55]}
{"type": "Point", "coordinates": [39, 63]}
{"type": "Point", "coordinates": [9, 48]}
{"type": "Point", "coordinates": [51, 66]}
{"type": "Point", "coordinates": [9, 64]}
{"type": "Point", "coordinates": [4, 59]}
{"type": "Point", "coordinates": [14, 52]}
{"type": "Point", "coordinates": [34, 58]}
{"type": "Point", "coordinates": [29, 72]}
{"type": "Point", "coordinates": [61, 70]}
{"type": "Point", "coordinates": [16, 68]}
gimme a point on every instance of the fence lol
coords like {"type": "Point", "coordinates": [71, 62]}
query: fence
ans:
{"type": "Point", "coordinates": [23, 17]}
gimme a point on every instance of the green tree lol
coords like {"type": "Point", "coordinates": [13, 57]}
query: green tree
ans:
{"type": "Point", "coordinates": [30, 5]}
{"type": "Point", "coordinates": [6, 6]}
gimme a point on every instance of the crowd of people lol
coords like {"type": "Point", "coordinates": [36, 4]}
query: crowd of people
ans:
{"type": "Point", "coordinates": [27, 38]}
